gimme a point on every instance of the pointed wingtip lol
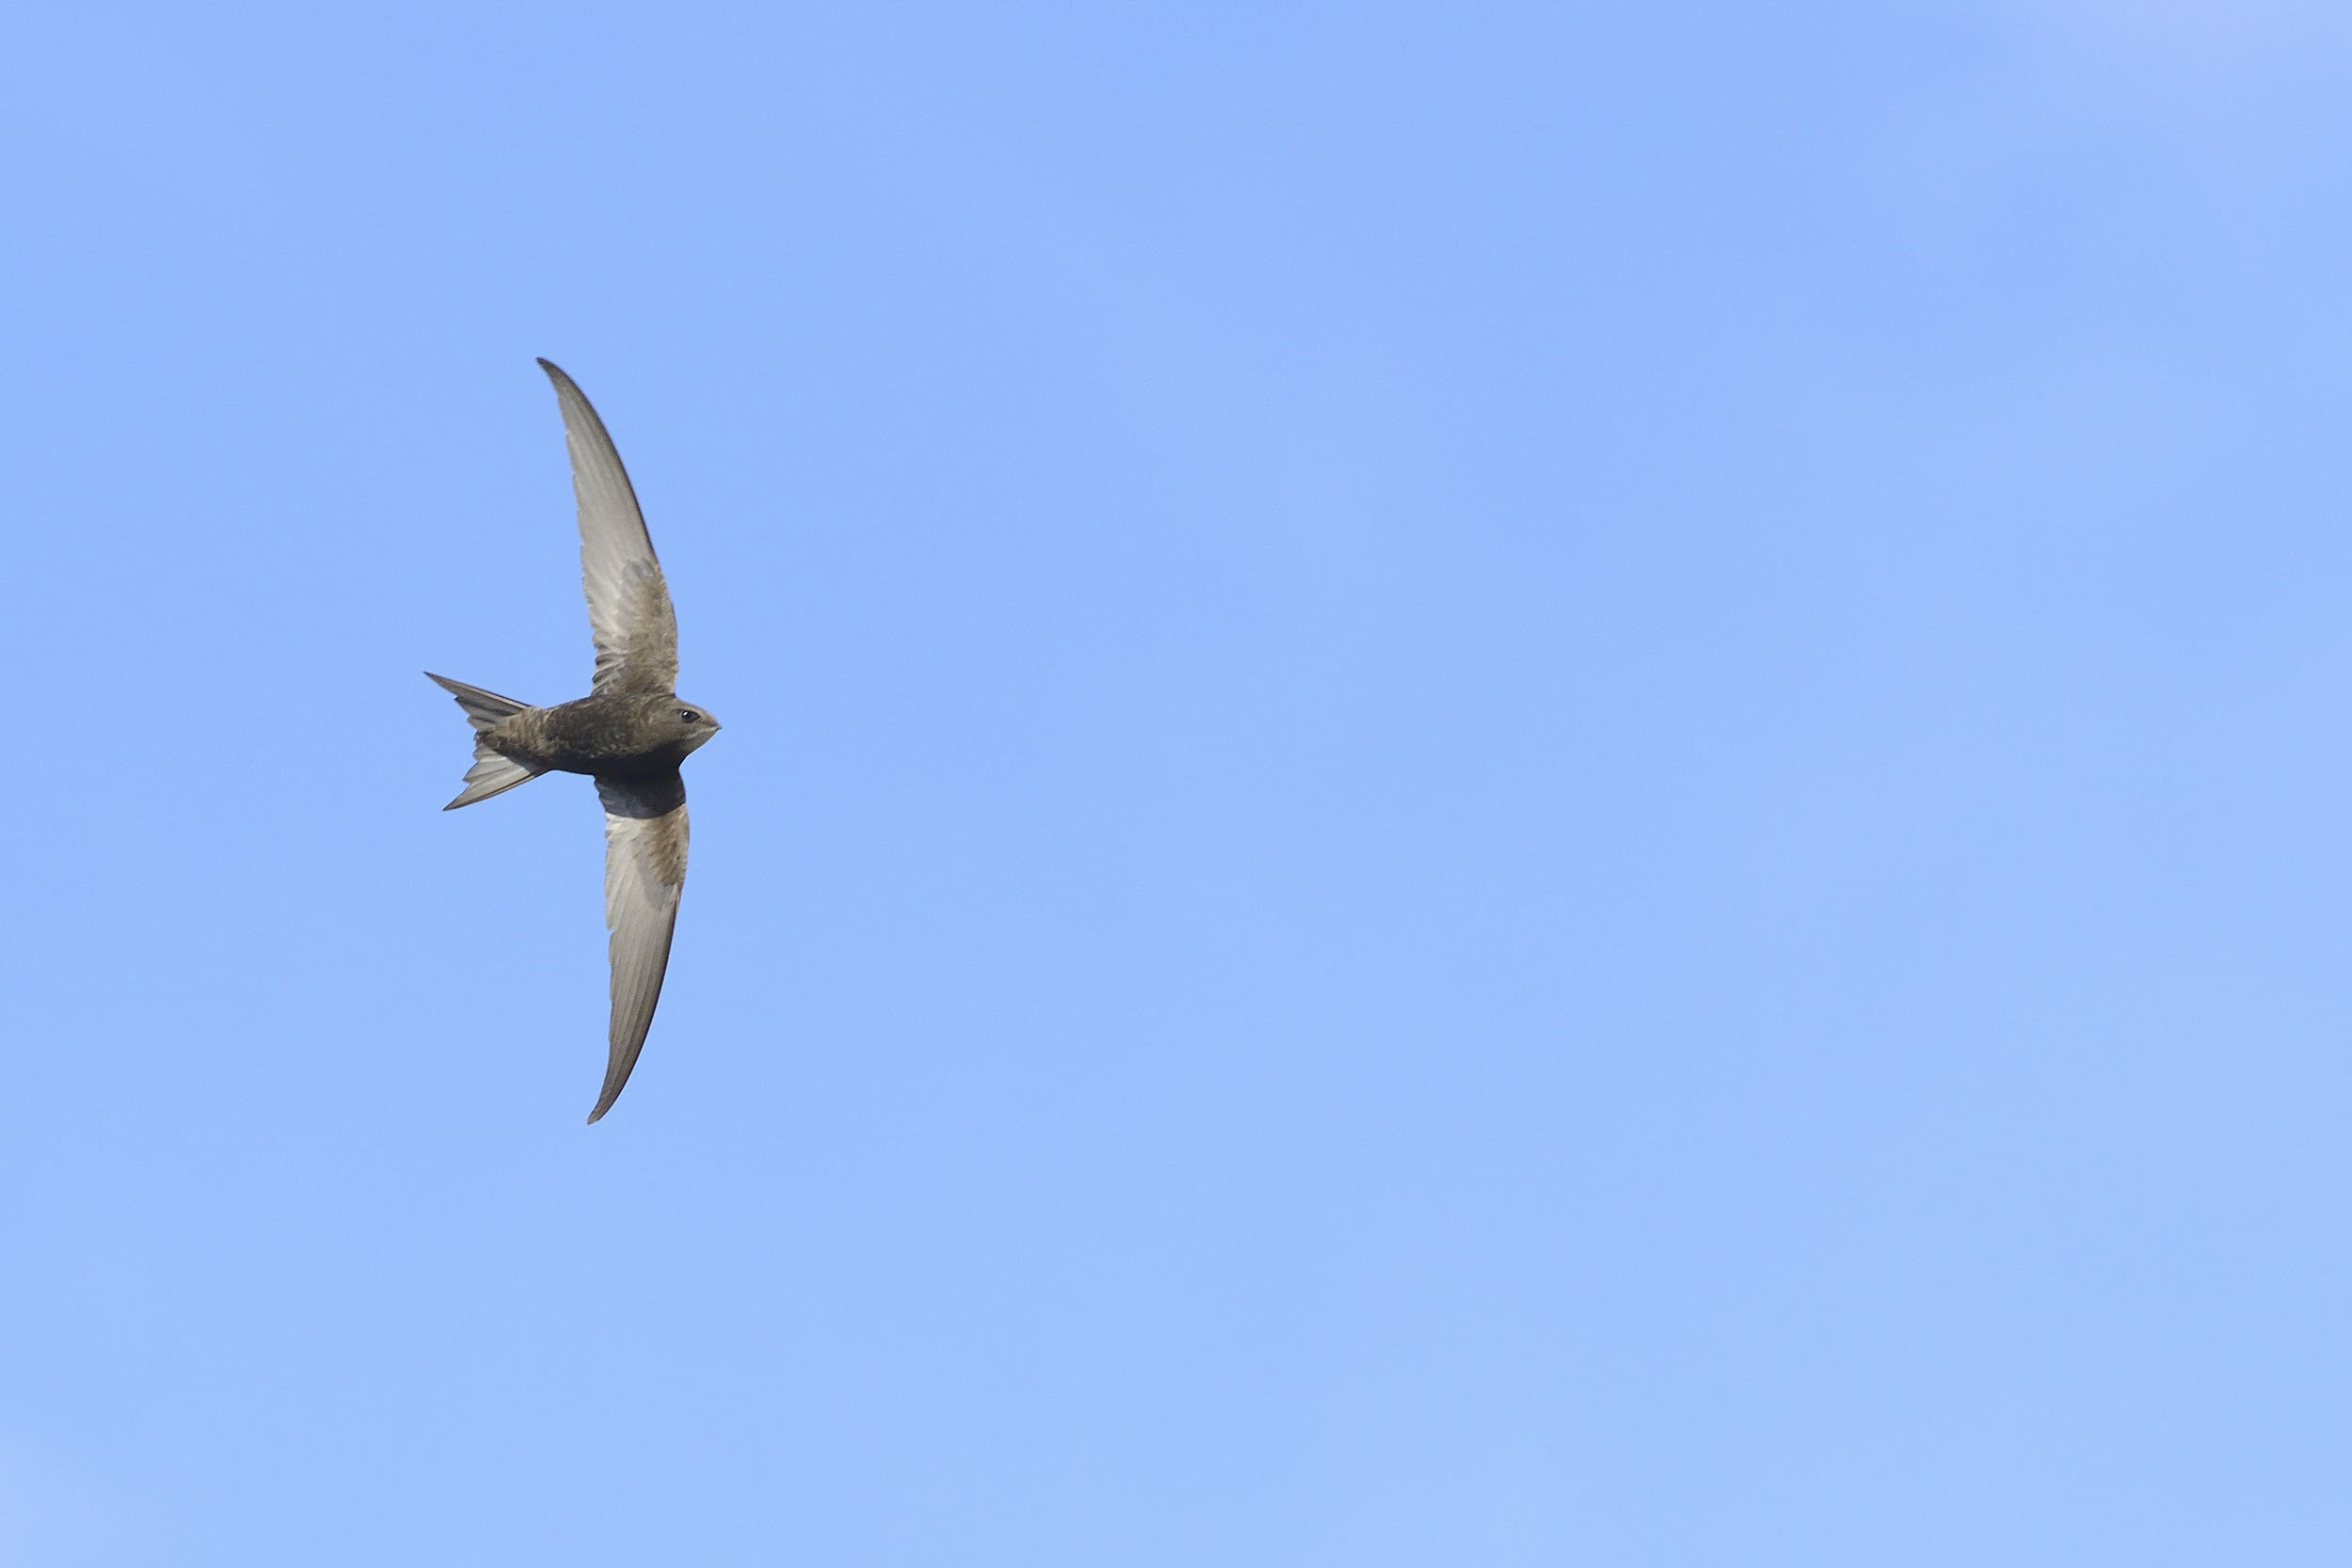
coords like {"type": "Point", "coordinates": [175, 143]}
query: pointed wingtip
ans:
{"type": "Point", "coordinates": [607, 1099]}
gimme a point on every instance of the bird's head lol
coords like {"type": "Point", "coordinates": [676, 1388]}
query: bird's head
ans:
{"type": "Point", "coordinates": [688, 725]}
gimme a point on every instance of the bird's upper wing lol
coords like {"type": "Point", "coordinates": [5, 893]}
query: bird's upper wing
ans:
{"type": "Point", "coordinates": [629, 604]}
{"type": "Point", "coordinates": [644, 870]}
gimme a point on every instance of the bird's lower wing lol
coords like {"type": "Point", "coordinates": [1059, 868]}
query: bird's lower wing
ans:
{"type": "Point", "coordinates": [644, 870]}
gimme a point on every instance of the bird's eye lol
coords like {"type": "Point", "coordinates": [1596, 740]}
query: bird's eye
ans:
{"type": "Point", "coordinates": [689, 716]}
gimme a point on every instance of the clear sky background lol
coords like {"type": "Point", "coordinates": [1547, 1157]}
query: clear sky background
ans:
{"type": "Point", "coordinates": [1503, 785]}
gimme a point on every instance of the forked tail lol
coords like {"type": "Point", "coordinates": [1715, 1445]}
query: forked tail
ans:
{"type": "Point", "coordinates": [493, 772]}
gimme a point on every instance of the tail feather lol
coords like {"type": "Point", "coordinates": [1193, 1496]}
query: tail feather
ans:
{"type": "Point", "coordinates": [493, 772]}
{"type": "Point", "coordinates": [483, 708]}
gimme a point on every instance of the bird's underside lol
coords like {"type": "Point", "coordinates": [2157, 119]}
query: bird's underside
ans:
{"type": "Point", "coordinates": [629, 734]}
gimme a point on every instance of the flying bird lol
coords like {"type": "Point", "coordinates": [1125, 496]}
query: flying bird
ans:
{"type": "Point", "coordinates": [628, 734]}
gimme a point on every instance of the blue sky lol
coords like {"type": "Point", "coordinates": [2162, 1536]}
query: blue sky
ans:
{"type": "Point", "coordinates": [1503, 785]}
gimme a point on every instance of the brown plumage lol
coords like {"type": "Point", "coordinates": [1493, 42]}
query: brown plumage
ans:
{"type": "Point", "coordinates": [629, 732]}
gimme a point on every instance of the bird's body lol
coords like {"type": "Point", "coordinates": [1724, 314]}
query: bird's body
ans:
{"type": "Point", "coordinates": [629, 734]}
{"type": "Point", "coordinates": [612, 732]}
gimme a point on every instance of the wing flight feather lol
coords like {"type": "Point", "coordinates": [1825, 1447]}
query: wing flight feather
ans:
{"type": "Point", "coordinates": [644, 871]}
{"type": "Point", "coordinates": [628, 603]}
